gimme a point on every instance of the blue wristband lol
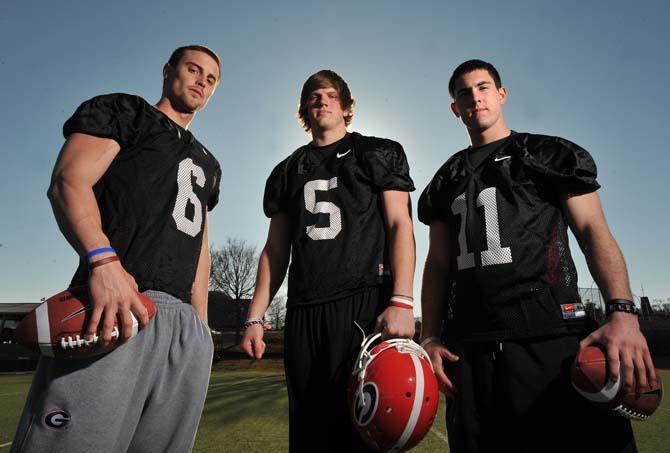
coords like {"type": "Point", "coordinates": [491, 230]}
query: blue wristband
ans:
{"type": "Point", "coordinates": [92, 253]}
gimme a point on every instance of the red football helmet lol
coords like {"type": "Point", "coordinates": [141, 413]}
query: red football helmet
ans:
{"type": "Point", "coordinates": [393, 396]}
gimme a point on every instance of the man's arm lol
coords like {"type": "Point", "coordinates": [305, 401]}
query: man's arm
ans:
{"type": "Point", "coordinates": [81, 163]}
{"type": "Point", "coordinates": [200, 289]}
{"type": "Point", "coordinates": [433, 302]}
{"type": "Point", "coordinates": [272, 266]}
{"type": "Point", "coordinates": [621, 335]}
{"type": "Point", "coordinates": [397, 321]}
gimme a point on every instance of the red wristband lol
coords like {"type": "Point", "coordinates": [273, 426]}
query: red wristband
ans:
{"type": "Point", "coordinates": [102, 262]}
{"type": "Point", "coordinates": [401, 301]}
{"type": "Point", "coordinates": [400, 305]}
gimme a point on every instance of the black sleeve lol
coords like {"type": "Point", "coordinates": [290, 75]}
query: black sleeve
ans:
{"type": "Point", "coordinates": [565, 167]}
{"type": "Point", "coordinates": [431, 202]}
{"type": "Point", "coordinates": [214, 194]}
{"type": "Point", "coordinates": [114, 116]}
{"type": "Point", "coordinates": [388, 168]}
{"type": "Point", "coordinates": [275, 197]}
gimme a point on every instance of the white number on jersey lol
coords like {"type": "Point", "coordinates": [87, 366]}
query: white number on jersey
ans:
{"type": "Point", "coordinates": [466, 259]}
{"type": "Point", "coordinates": [322, 207]}
{"type": "Point", "coordinates": [495, 253]}
{"type": "Point", "coordinates": [185, 195]}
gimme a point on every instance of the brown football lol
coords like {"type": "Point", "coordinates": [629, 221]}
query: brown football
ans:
{"type": "Point", "coordinates": [56, 328]}
{"type": "Point", "coordinates": [591, 379]}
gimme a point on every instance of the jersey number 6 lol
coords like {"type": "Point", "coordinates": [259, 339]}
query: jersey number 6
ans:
{"type": "Point", "coordinates": [185, 175]}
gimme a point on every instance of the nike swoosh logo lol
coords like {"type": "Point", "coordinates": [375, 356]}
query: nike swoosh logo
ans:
{"type": "Point", "coordinates": [499, 158]}
{"type": "Point", "coordinates": [344, 153]}
{"type": "Point", "coordinates": [77, 312]}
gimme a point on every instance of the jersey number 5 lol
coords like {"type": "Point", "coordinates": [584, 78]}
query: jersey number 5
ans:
{"type": "Point", "coordinates": [185, 176]}
{"type": "Point", "coordinates": [322, 207]}
{"type": "Point", "coordinates": [496, 253]}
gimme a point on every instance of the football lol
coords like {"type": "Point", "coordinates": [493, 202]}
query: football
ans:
{"type": "Point", "coordinates": [591, 378]}
{"type": "Point", "coordinates": [56, 328]}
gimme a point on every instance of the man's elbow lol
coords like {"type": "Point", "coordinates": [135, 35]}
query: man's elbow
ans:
{"type": "Point", "coordinates": [64, 186]}
{"type": "Point", "coordinates": [55, 190]}
{"type": "Point", "coordinates": [401, 225]}
{"type": "Point", "coordinates": [593, 233]}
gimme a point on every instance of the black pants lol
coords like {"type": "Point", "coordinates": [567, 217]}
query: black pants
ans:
{"type": "Point", "coordinates": [320, 345]}
{"type": "Point", "coordinates": [516, 396]}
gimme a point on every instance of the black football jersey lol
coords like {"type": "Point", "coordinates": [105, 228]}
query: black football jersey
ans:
{"type": "Point", "coordinates": [512, 274]}
{"type": "Point", "coordinates": [333, 199]}
{"type": "Point", "coordinates": [153, 196]}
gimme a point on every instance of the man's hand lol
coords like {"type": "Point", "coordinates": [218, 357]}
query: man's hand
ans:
{"type": "Point", "coordinates": [625, 345]}
{"type": "Point", "coordinates": [114, 293]}
{"type": "Point", "coordinates": [252, 341]}
{"type": "Point", "coordinates": [395, 322]}
{"type": "Point", "coordinates": [437, 353]}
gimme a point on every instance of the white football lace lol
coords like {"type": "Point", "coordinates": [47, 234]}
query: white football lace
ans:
{"type": "Point", "coordinates": [629, 413]}
{"type": "Point", "coordinates": [78, 341]}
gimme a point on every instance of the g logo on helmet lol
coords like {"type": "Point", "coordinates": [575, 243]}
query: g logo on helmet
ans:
{"type": "Point", "coordinates": [365, 405]}
{"type": "Point", "coordinates": [393, 394]}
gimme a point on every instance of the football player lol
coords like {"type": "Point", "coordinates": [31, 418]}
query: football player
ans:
{"type": "Point", "coordinates": [500, 280]}
{"type": "Point", "coordinates": [340, 207]}
{"type": "Point", "coordinates": [130, 191]}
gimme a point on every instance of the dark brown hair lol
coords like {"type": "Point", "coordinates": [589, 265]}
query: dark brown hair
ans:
{"type": "Point", "coordinates": [175, 58]}
{"type": "Point", "coordinates": [325, 79]}
{"type": "Point", "coordinates": [469, 66]}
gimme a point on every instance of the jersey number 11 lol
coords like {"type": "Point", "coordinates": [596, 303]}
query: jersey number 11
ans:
{"type": "Point", "coordinates": [495, 253]}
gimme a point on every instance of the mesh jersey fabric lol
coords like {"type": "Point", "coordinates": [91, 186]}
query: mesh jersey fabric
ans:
{"type": "Point", "coordinates": [511, 267]}
{"type": "Point", "coordinates": [334, 202]}
{"type": "Point", "coordinates": [153, 196]}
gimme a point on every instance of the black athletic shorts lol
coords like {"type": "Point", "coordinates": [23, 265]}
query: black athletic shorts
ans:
{"type": "Point", "coordinates": [321, 343]}
{"type": "Point", "coordinates": [516, 396]}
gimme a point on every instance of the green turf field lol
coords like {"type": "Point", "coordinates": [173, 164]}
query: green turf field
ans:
{"type": "Point", "coordinates": [246, 412]}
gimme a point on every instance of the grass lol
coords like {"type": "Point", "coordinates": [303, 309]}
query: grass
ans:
{"type": "Point", "coordinates": [246, 411]}
{"type": "Point", "coordinates": [13, 391]}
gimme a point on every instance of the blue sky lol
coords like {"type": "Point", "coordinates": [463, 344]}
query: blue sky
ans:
{"type": "Point", "coordinates": [593, 72]}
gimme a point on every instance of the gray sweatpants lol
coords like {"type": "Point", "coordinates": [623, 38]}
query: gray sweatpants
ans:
{"type": "Point", "coordinates": [145, 396]}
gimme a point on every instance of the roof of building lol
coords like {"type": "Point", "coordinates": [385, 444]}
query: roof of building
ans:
{"type": "Point", "coordinates": [20, 309]}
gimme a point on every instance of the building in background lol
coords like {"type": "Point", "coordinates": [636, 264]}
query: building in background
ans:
{"type": "Point", "coordinates": [12, 357]}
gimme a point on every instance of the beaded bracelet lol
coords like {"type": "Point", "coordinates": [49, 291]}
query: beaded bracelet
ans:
{"type": "Point", "coordinates": [251, 321]}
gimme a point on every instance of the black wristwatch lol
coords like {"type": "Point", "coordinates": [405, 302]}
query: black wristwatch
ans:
{"type": "Point", "coordinates": [622, 305]}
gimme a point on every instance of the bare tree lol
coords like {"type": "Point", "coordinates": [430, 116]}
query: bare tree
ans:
{"type": "Point", "coordinates": [234, 274]}
{"type": "Point", "coordinates": [277, 312]}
